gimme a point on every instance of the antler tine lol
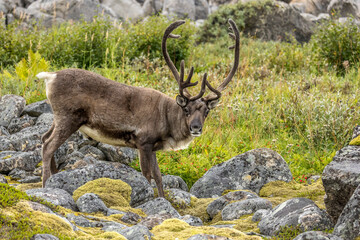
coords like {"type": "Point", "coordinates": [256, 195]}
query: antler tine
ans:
{"type": "Point", "coordinates": [236, 36]}
{"type": "Point", "coordinates": [167, 58]}
{"type": "Point", "coordinates": [202, 91]}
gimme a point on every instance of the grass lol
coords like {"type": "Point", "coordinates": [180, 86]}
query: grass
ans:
{"type": "Point", "coordinates": [283, 97]}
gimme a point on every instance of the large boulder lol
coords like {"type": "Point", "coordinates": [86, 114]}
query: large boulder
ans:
{"type": "Point", "coordinates": [11, 106]}
{"type": "Point", "coordinates": [125, 9]}
{"type": "Point", "coordinates": [27, 161]}
{"type": "Point", "coordinates": [314, 7]}
{"type": "Point", "coordinates": [348, 224]}
{"type": "Point", "coordinates": [240, 208]}
{"type": "Point", "coordinates": [345, 8]}
{"type": "Point", "coordinates": [72, 179]}
{"type": "Point", "coordinates": [55, 196]}
{"type": "Point", "coordinates": [159, 206]}
{"type": "Point", "coordinates": [91, 203]}
{"type": "Point", "coordinates": [37, 108]}
{"type": "Point", "coordinates": [301, 212]}
{"type": "Point", "coordinates": [340, 179]}
{"type": "Point", "coordinates": [250, 170]}
{"type": "Point", "coordinates": [179, 8]}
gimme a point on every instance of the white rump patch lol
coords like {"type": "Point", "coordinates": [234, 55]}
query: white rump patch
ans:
{"type": "Point", "coordinates": [49, 77]}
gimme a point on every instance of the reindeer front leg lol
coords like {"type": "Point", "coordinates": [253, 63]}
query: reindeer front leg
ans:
{"type": "Point", "coordinates": [150, 168]}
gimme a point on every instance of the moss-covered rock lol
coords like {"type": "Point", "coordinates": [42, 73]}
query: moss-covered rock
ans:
{"type": "Point", "coordinates": [181, 230]}
{"type": "Point", "coordinates": [112, 192]}
{"type": "Point", "coordinates": [197, 208]}
{"type": "Point", "coordinates": [27, 186]}
{"type": "Point", "coordinates": [355, 141]}
{"type": "Point", "coordinates": [279, 191]}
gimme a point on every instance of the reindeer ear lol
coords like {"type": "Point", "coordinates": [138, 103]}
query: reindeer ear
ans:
{"type": "Point", "coordinates": [212, 104]}
{"type": "Point", "coordinates": [181, 101]}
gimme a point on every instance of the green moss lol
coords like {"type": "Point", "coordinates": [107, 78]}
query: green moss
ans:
{"type": "Point", "coordinates": [355, 141]}
{"type": "Point", "coordinates": [10, 196]}
{"type": "Point", "coordinates": [27, 186]}
{"type": "Point", "coordinates": [181, 230]}
{"type": "Point", "coordinates": [112, 192]}
{"type": "Point", "coordinates": [198, 208]}
{"type": "Point", "coordinates": [279, 191]}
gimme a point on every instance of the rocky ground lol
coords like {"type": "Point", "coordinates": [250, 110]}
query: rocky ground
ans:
{"type": "Point", "coordinates": [97, 196]}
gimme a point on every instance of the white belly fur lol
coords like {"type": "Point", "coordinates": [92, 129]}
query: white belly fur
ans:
{"type": "Point", "coordinates": [98, 136]}
{"type": "Point", "coordinates": [171, 144]}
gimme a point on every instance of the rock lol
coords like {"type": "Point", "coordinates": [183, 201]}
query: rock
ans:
{"type": "Point", "coordinates": [260, 214]}
{"type": "Point", "coordinates": [204, 236]}
{"type": "Point", "coordinates": [118, 154]}
{"type": "Point", "coordinates": [316, 19]}
{"type": "Point", "coordinates": [113, 227]}
{"type": "Point", "coordinates": [131, 218]}
{"type": "Point", "coordinates": [114, 211]}
{"type": "Point", "coordinates": [201, 9]}
{"type": "Point", "coordinates": [159, 206]}
{"type": "Point", "coordinates": [18, 173]}
{"type": "Point", "coordinates": [356, 131]}
{"type": "Point", "coordinates": [314, 7]}
{"type": "Point", "coordinates": [301, 212]}
{"type": "Point", "coordinates": [80, 220]}
{"type": "Point", "coordinates": [348, 224]}
{"type": "Point", "coordinates": [218, 205]}
{"type": "Point", "coordinates": [136, 232]}
{"type": "Point", "coordinates": [125, 9]}
{"type": "Point", "coordinates": [3, 179]}
{"type": "Point", "coordinates": [94, 152]}
{"type": "Point", "coordinates": [11, 106]}
{"type": "Point", "coordinates": [250, 170]}
{"type": "Point", "coordinates": [179, 197]}
{"type": "Point", "coordinates": [316, 235]}
{"type": "Point", "coordinates": [72, 179]}
{"type": "Point", "coordinates": [313, 179]}
{"type": "Point", "coordinates": [4, 131]}
{"type": "Point", "coordinates": [171, 181]}
{"type": "Point", "coordinates": [153, 220]}
{"type": "Point", "coordinates": [71, 9]}
{"type": "Point", "coordinates": [26, 161]}
{"type": "Point", "coordinates": [340, 179]}
{"type": "Point", "coordinates": [55, 196]}
{"type": "Point", "coordinates": [192, 220]}
{"type": "Point", "coordinates": [240, 208]}
{"type": "Point", "coordinates": [179, 9]}
{"type": "Point", "coordinates": [37, 108]}
{"type": "Point", "coordinates": [31, 179]}
{"type": "Point", "coordinates": [44, 237]}
{"type": "Point", "coordinates": [91, 203]}
{"type": "Point", "coordinates": [17, 124]}
{"type": "Point", "coordinates": [344, 8]}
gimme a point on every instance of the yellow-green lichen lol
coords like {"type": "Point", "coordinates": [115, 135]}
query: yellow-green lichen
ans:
{"type": "Point", "coordinates": [279, 191]}
{"type": "Point", "coordinates": [180, 230]}
{"type": "Point", "coordinates": [355, 141]}
{"type": "Point", "coordinates": [27, 186]}
{"type": "Point", "coordinates": [112, 192]}
{"type": "Point", "coordinates": [198, 208]}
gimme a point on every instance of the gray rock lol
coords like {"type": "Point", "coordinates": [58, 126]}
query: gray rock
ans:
{"type": "Point", "coordinates": [356, 131]}
{"type": "Point", "coordinates": [217, 205]}
{"type": "Point", "coordinates": [72, 179]}
{"type": "Point", "coordinates": [201, 9]}
{"type": "Point", "coordinates": [31, 179]}
{"type": "Point", "coordinates": [153, 220]}
{"type": "Point", "coordinates": [300, 212]}
{"type": "Point", "coordinates": [237, 209]}
{"type": "Point", "coordinates": [37, 108]}
{"type": "Point", "coordinates": [18, 173]}
{"type": "Point", "coordinates": [192, 220]}
{"type": "Point", "coordinates": [204, 236]}
{"type": "Point", "coordinates": [345, 8]}
{"type": "Point", "coordinates": [114, 211]}
{"type": "Point", "coordinates": [55, 196]}
{"type": "Point", "coordinates": [3, 179]}
{"type": "Point", "coordinates": [44, 237]}
{"type": "Point", "coordinates": [340, 179]}
{"type": "Point", "coordinates": [171, 181]}
{"type": "Point", "coordinates": [118, 154]}
{"type": "Point", "coordinates": [348, 224]}
{"type": "Point", "coordinates": [313, 179]}
{"type": "Point", "coordinates": [68, 161]}
{"type": "Point", "coordinates": [179, 197]}
{"type": "Point", "coordinates": [136, 232]}
{"type": "Point", "coordinates": [91, 203]}
{"type": "Point", "coordinates": [179, 9]}
{"type": "Point", "coordinates": [94, 152]}
{"type": "Point", "coordinates": [314, 7]}
{"type": "Point", "coordinates": [250, 170]}
{"type": "Point", "coordinates": [125, 9]}
{"type": "Point", "coordinates": [4, 131]}
{"type": "Point", "coordinates": [159, 206]}
{"type": "Point", "coordinates": [131, 218]}
{"type": "Point", "coordinates": [11, 106]}
{"type": "Point", "coordinates": [26, 161]}
{"type": "Point", "coordinates": [17, 124]}
{"type": "Point", "coordinates": [260, 214]}
{"type": "Point", "coordinates": [80, 220]}
{"type": "Point", "coordinates": [316, 19]}
{"type": "Point", "coordinates": [316, 235]}
{"type": "Point", "coordinates": [113, 227]}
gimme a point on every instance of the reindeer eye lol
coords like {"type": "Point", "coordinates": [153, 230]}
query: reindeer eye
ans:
{"type": "Point", "coordinates": [187, 111]}
{"type": "Point", "coordinates": [207, 112]}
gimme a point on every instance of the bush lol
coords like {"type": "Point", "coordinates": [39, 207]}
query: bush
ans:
{"type": "Point", "coordinates": [338, 44]}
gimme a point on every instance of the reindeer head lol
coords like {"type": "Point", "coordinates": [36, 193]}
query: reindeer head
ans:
{"type": "Point", "coordinates": [197, 108]}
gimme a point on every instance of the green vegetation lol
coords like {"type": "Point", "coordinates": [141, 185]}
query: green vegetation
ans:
{"type": "Point", "coordinates": [284, 96]}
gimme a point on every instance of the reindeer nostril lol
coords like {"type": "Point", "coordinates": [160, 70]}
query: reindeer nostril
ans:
{"type": "Point", "coordinates": [195, 128]}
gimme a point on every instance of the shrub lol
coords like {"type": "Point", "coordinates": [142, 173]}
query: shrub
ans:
{"type": "Point", "coordinates": [338, 44]}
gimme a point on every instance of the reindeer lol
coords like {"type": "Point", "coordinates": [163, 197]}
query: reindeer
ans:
{"type": "Point", "coordinates": [123, 115]}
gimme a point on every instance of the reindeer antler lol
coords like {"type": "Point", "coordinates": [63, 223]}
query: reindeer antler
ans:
{"type": "Point", "coordinates": [236, 36]}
